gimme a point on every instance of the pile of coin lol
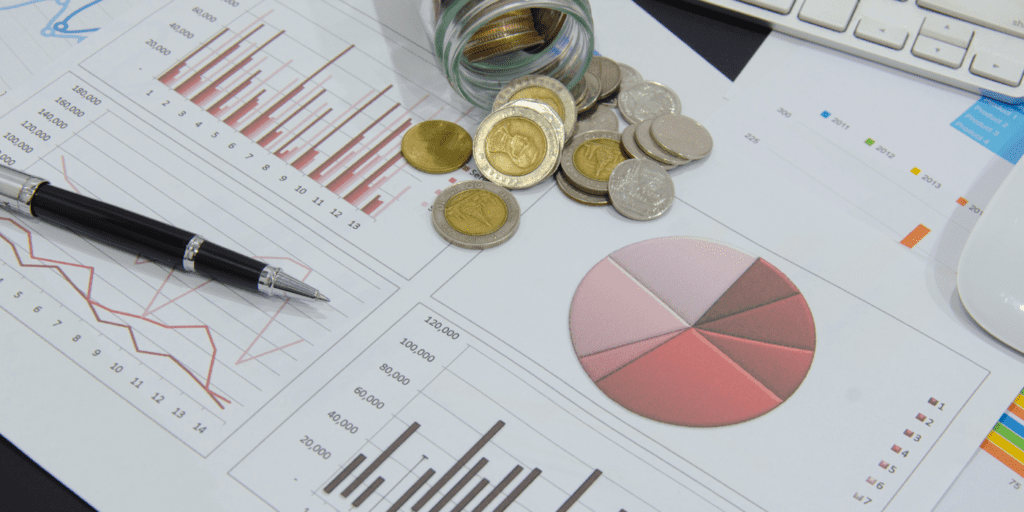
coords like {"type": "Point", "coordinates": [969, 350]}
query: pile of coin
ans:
{"type": "Point", "coordinates": [538, 128]}
{"type": "Point", "coordinates": [520, 30]}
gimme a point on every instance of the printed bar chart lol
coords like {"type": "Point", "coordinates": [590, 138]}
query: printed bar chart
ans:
{"type": "Point", "coordinates": [226, 75]}
{"type": "Point", "coordinates": [454, 443]}
{"type": "Point", "coordinates": [1006, 441]}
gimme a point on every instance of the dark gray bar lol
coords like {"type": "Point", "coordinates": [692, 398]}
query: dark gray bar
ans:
{"type": "Point", "coordinates": [517, 491]}
{"type": "Point", "coordinates": [344, 473]}
{"type": "Point", "coordinates": [579, 492]}
{"type": "Point", "coordinates": [368, 492]}
{"type": "Point", "coordinates": [380, 460]}
{"type": "Point", "coordinates": [459, 485]}
{"type": "Point", "coordinates": [472, 494]}
{"type": "Point", "coordinates": [458, 465]}
{"type": "Point", "coordinates": [498, 488]}
{"type": "Point", "coordinates": [412, 490]}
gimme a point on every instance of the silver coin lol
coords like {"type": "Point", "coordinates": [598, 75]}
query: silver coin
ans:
{"type": "Point", "coordinates": [532, 87]}
{"type": "Point", "coordinates": [632, 150]}
{"type": "Point", "coordinates": [647, 100]}
{"type": "Point", "coordinates": [653, 150]}
{"type": "Point", "coordinates": [593, 91]}
{"type": "Point", "coordinates": [681, 136]}
{"type": "Point", "coordinates": [641, 190]}
{"type": "Point", "coordinates": [487, 209]}
{"type": "Point", "coordinates": [608, 71]}
{"type": "Point", "coordinates": [629, 76]}
{"type": "Point", "coordinates": [579, 91]}
{"type": "Point", "coordinates": [578, 195]}
{"type": "Point", "coordinates": [590, 158]}
{"type": "Point", "coordinates": [601, 118]}
{"type": "Point", "coordinates": [545, 110]}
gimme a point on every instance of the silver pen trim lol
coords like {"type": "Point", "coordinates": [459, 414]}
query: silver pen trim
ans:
{"type": "Point", "coordinates": [17, 190]}
{"type": "Point", "coordinates": [274, 282]}
{"type": "Point", "coordinates": [188, 260]}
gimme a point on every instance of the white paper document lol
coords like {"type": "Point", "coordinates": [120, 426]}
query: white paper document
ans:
{"type": "Point", "coordinates": [35, 32]}
{"type": "Point", "coordinates": [756, 349]}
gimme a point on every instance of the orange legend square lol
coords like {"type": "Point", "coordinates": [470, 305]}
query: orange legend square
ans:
{"type": "Point", "coordinates": [915, 236]}
{"type": "Point", "coordinates": [962, 201]}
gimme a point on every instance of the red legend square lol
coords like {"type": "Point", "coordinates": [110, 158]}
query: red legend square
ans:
{"type": "Point", "coordinates": [452, 180]}
{"type": "Point", "coordinates": [883, 465]}
{"type": "Point", "coordinates": [872, 481]}
{"type": "Point", "coordinates": [908, 433]}
{"type": "Point", "coordinates": [933, 401]}
{"type": "Point", "coordinates": [896, 448]}
{"type": "Point", "coordinates": [921, 417]}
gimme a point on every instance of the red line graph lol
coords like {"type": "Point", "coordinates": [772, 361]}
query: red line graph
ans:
{"type": "Point", "coordinates": [204, 380]}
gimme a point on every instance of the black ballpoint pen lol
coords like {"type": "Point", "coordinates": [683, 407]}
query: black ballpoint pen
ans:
{"type": "Point", "coordinates": [161, 243]}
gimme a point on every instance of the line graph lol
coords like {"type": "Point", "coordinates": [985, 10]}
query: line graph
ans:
{"type": "Point", "coordinates": [202, 357]}
{"type": "Point", "coordinates": [34, 32]}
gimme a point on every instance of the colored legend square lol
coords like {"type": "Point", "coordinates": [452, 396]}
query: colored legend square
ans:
{"type": "Point", "coordinates": [908, 433]}
{"type": "Point", "coordinates": [858, 496]}
{"type": "Point", "coordinates": [933, 401]}
{"type": "Point", "coordinates": [961, 202]}
{"type": "Point", "coordinates": [437, 192]}
{"type": "Point", "coordinates": [872, 481]}
{"type": "Point", "coordinates": [870, 142]}
{"type": "Point", "coordinates": [921, 417]}
{"type": "Point", "coordinates": [896, 448]}
{"type": "Point", "coordinates": [916, 236]}
{"type": "Point", "coordinates": [826, 114]}
{"type": "Point", "coordinates": [425, 204]}
{"type": "Point", "coordinates": [883, 465]}
{"type": "Point", "coordinates": [915, 171]}
{"type": "Point", "coordinates": [452, 180]}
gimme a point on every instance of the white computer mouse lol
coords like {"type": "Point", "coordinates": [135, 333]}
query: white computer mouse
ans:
{"type": "Point", "coordinates": [991, 272]}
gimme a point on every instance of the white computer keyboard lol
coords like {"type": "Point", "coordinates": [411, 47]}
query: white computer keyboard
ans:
{"type": "Point", "coordinates": [976, 45]}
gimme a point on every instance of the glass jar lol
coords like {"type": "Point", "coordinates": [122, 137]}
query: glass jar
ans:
{"type": "Point", "coordinates": [565, 55]}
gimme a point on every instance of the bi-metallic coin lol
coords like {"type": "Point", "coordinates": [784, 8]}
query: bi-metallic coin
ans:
{"type": "Point", "coordinates": [544, 89]}
{"type": "Point", "coordinates": [516, 147]}
{"type": "Point", "coordinates": [545, 110]}
{"type": "Point", "coordinates": [590, 159]}
{"type": "Point", "coordinates": [476, 215]}
{"type": "Point", "coordinates": [578, 195]}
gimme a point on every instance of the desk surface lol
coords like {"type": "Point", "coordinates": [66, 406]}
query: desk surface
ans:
{"type": "Point", "coordinates": [725, 42]}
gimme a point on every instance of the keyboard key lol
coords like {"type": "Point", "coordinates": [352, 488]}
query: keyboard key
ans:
{"type": "Point", "coordinates": [1006, 16]}
{"type": "Point", "coordinates": [880, 33]}
{"type": "Point", "coordinates": [998, 68]}
{"type": "Point", "coordinates": [779, 6]}
{"type": "Point", "coordinates": [833, 14]}
{"type": "Point", "coordinates": [938, 52]}
{"type": "Point", "coordinates": [952, 32]}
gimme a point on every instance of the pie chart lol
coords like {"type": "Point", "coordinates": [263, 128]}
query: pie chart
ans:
{"type": "Point", "coordinates": [691, 332]}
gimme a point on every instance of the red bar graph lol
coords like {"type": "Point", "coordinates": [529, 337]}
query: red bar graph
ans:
{"type": "Point", "coordinates": [238, 78]}
{"type": "Point", "coordinates": [204, 97]}
{"type": "Point", "coordinates": [339, 183]}
{"type": "Point", "coordinates": [267, 117]}
{"type": "Point", "coordinates": [368, 187]}
{"type": "Point", "coordinates": [218, 107]}
{"type": "Point", "coordinates": [170, 75]}
{"type": "Point", "coordinates": [189, 85]}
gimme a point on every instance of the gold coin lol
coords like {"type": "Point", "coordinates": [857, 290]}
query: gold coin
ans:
{"type": "Point", "coordinates": [437, 147]}
{"type": "Point", "coordinates": [549, 23]}
{"type": "Point", "coordinates": [542, 95]}
{"type": "Point", "coordinates": [476, 212]}
{"type": "Point", "coordinates": [515, 146]}
{"type": "Point", "coordinates": [597, 158]}
{"type": "Point", "coordinates": [541, 88]}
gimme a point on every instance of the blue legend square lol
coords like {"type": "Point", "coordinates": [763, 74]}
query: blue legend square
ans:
{"type": "Point", "coordinates": [826, 114]}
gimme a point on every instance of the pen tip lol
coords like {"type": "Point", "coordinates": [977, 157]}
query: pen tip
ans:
{"type": "Point", "coordinates": [320, 297]}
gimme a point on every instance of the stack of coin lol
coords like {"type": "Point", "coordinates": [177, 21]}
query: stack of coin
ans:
{"type": "Point", "coordinates": [538, 126]}
{"type": "Point", "coordinates": [508, 33]}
